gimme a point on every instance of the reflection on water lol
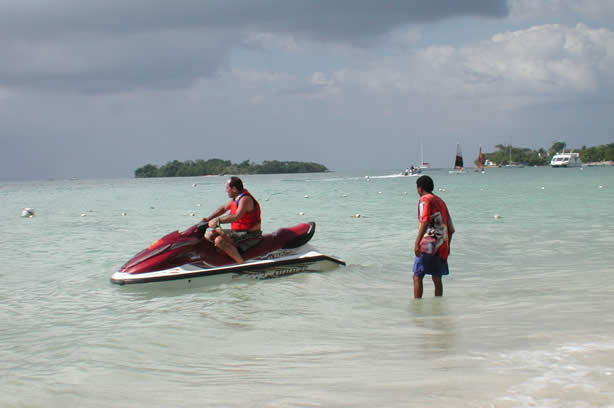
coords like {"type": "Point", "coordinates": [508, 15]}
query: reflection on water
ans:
{"type": "Point", "coordinates": [438, 334]}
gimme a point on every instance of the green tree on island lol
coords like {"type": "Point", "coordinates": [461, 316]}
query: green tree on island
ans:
{"type": "Point", "coordinates": [597, 153]}
{"type": "Point", "coordinates": [506, 154]}
{"type": "Point", "coordinates": [210, 167]}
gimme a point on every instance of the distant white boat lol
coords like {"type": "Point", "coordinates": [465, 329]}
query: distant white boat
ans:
{"type": "Point", "coordinates": [566, 160]}
{"type": "Point", "coordinates": [458, 162]}
{"type": "Point", "coordinates": [425, 166]}
{"type": "Point", "coordinates": [412, 171]}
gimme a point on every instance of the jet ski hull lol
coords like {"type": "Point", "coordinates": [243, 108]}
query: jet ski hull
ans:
{"type": "Point", "coordinates": [281, 263]}
{"type": "Point", "coordinates": [186, 259]}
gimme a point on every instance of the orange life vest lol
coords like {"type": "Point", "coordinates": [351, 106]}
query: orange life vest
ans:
{"type": "Point", "coordinates": [249, 219]}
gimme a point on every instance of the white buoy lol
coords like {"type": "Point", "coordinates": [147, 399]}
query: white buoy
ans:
{"type": "Point", "coordinates": [543, 188]}
{"type": "Point", "coordinates": [27, 212]}
{"type": "Point", "coordinates": [124, 214]}
{"type": "Point", "coordinates": [443, 190]}
{"type": "Point", "coordinates": [192, 214]}
{"type": "Point", "coordinates": [497, 217]}
{"type": "Point", "coordinates": [306, 195]}
{"type": "Point", "coordinates": [600, 186]}
{"type": "Point", "coordinates": [357, 215]}
{"type": "Point", "coordinates": [84, 215]}
{"type": "Point", "coordinates": [194, 185]}
{"type": "Point", "coordinates": [301, 213]}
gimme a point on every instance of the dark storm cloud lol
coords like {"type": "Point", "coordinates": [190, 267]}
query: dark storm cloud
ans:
{"type": "Point", "coordinates": [324, 19]}
{"type": "Point", "coordinates": [91, 63]}
{"type": "Point", "coordinates": [100, 45]}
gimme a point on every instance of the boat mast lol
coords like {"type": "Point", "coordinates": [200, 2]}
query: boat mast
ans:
{"type": "Point", "coordinates": [421, 152]}
{"type": "Point", "coordinates": [480, 158]}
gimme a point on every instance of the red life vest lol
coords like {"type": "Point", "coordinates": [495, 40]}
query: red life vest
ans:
{"type": "Point", "coordinates": [249, 219]}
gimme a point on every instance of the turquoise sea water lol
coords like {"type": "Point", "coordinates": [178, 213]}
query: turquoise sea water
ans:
{"type": "Point", "coordinates": [526, 319]}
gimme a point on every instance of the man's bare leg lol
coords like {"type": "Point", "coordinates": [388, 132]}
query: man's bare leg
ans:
{"type": "Point", "coordinates": [224, 243]}
{"type": "Point", "coordinates": [417, 287]}
{"type": "Point", "coordinates": [438, 285]}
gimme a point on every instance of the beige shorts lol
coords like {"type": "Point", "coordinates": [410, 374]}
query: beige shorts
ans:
{"type": "Point", "coordinates": [244, 239]}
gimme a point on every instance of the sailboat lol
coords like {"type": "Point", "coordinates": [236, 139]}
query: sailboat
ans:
{"type": "Point", "coordinates": [423, 165]}
{"type": "Point", "coordinates": [511, 163]}
{"type": "Point", "coordinates": [480, 161]}
{"type": "Point", "coordinates": [458, 162]}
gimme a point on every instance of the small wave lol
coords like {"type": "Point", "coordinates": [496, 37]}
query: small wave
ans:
{"type": "Point", "coordinates": [387, 176]}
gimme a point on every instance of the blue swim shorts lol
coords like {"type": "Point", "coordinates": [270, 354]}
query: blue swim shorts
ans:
{"type": "Point", "coordinates": [426, 264]}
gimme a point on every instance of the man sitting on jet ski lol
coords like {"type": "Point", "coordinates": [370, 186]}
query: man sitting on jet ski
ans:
{"type": "Point", "coordinates": [244, 219]}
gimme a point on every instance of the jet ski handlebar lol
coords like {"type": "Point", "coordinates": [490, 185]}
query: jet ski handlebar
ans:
{"type": "Point", "coordinates": [202, 226]}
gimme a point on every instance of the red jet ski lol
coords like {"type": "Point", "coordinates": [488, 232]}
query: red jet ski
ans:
{"type": "Point", "coordinates": [187, 259]}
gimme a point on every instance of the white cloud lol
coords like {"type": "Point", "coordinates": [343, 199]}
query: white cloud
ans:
{"type": "Point", "coordinates": [271, 41]}
{"type": "Point", "coordinates": [542, 62]}
{"type": "Point", "coordinates": [406, 37]}
{"type": "Point", "coordinates": [319, 79]}
{"type": "Point", "coordinates": [267, 78]}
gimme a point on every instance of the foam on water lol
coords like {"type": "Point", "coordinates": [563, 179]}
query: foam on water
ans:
{"type": "Point", "coordinates": [569, 375]}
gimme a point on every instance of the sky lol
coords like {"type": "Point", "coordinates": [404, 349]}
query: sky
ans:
{"type": "Point", "coordinates": [99, 88]}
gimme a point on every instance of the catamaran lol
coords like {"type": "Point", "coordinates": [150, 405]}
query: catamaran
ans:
{"type": "Point", "coordinates": [458, 162]}
{"type": "Point", "coordinates": [562, 159]}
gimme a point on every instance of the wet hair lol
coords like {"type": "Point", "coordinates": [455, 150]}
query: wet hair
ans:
{"type": "Point", "coordinates": [426, 183]}
{"type": "Point", "coordinates": [236, 182]}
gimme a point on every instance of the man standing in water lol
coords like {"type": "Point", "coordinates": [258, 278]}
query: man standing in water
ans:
{"type": "Point", "coordinates": [244, 220]}
{"type": "Point", "coordinates": [432, 245]}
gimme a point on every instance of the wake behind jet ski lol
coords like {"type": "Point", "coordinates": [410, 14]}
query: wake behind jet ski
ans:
{"type": "Point", "coordinates": [187, 259]}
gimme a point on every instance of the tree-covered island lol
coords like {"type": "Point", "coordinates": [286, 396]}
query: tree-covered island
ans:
{"type": "Point", "coordinates": [507, 154]}
{"type": "Point", "coordinates": [211, 167]}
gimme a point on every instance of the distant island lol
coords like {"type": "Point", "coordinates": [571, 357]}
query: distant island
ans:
{"type": "Point", "coordinates": [507, 154]}
{"type": "Point", "coordinates": [211, 167]}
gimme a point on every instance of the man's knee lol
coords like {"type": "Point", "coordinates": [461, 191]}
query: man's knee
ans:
{"type": "Point", "coordinates": [218, 241]}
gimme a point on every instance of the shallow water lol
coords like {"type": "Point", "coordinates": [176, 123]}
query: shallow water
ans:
{"type": "Point", "coordinates": [526, 318]}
